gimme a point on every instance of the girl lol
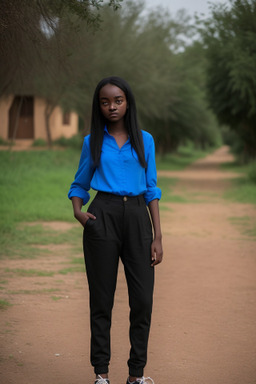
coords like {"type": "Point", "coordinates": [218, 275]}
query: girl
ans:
{"type": "Point", "coordinates": [118, 160]}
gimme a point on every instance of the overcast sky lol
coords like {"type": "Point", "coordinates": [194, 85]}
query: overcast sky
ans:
{"type": "Point", "coordinates": [192, 6]}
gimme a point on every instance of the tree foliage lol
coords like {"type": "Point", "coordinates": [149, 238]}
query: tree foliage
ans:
{"type": "Point", "coordinates": [168, 78]}
{"type": "Point", "coordinates": [169, 86]}
{"type": "Point", "coordinates": [230, 38]}
{"type": "Point", "coordinates": [25, 30]}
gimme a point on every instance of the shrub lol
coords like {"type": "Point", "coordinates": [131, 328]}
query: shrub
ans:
{"type": "Point", "coordinates": [39, 143]}
{"type": "Point", "coordinates": [252, 172]}
{"type": "Point", "coordinates": [75, 141]}
{"type": "Point", "coordinates": [3, 142]}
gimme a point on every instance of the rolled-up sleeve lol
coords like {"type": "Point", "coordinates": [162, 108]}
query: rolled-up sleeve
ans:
{"type": "Point", "coordinates": [153, 192]}
{"type": "Point", "coordinates": [81, 184]}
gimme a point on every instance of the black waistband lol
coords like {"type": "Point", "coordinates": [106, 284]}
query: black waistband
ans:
{"type": "Point", "coordinates": [120, 198]}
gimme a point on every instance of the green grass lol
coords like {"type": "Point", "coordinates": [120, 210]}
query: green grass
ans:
{"type": "Point", "coordinates": [4, 304]}
{"type": "Point", "coordinates": [234, 166]}
{"type": "Point", "coordinates": [34, 185]}
{"type": "Point", "coordinates": [245, 224]}
{"type": "Point", "coordinates": [166, 184]}
{"type": "Point", "coordinates": [28, 272]}
{"type": "Point", "coordinates": [243, 189]}
{"type": "Point", "coordinates": [33, 291]}
{"type": "Point", "coordinates": [65, 271]}
{"type": "Point", "coordinates": [77, 260]}
{"type": "Point", "coordinates": [180, 160]}
{"type": "Point", "coordinates": [22, 241]}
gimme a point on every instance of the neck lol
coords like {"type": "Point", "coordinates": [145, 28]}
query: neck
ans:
{"type": "Point", "coordinates": [118, 128]}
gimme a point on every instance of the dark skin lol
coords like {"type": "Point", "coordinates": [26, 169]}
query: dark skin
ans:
{"type": "Point", "coordinates": [113, 105]}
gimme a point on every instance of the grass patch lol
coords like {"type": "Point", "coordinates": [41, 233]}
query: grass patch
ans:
{"type": "Point", "coordinates": [34, 185]}
{"type": "Point", "coordinates": [34, 291]}
{"type": "Point", "coordinates": [65, 271]}
{"type": "Point", "coordinates": [245, 224]}
{"type": "Point", "coordinates": [243, 189]}
{"type": "Point", "coordinates": [166, 184]}
{"type": "Point", "coordinates": [4, 304]}
{"type": "Point", "coordinates": [184, 156]}
{"type": "Point", "coordinates": [77, 260]}
{"type": "Point", "coordinates": [56, 298]}
{"type": "Point", "coordinates": [234, 166]}
{"type": "Point", "coordinates": [29, 272]}
{"type": "Point", "coordinates": [39, 143]}
{"type": "Point", "coordinates": [21, 241]}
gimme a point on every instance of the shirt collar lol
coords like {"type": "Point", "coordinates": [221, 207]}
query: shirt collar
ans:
{"type": "Point", "coordinates": [107, 132]}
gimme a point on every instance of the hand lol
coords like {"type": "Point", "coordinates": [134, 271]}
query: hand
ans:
{"type": "Point", "coordinates": [156, 252]}
{"type": "Point", "coordinates": [83, 217]}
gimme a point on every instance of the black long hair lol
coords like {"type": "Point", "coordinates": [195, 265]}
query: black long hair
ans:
{"type": "Point", "coordinates": [98, 121]}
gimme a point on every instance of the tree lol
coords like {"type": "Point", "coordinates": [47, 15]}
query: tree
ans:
{"type": "Point", "coordinates": [167, 78]}
{"type": "Point", "coordinates": [230, 36]}
{"type": "Point", "coordinates": [169, 86]}
{"type": "Point", "coordinates": [26, 27]}
{"type": "Point", "coordinates": [33, 50]}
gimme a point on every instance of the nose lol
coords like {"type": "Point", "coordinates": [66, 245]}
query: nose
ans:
{"type": "Point", "coordinates": [112, 106]}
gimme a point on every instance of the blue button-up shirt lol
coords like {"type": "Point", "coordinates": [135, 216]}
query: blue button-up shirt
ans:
{"type": "Point", "coordinates": [119, 171]}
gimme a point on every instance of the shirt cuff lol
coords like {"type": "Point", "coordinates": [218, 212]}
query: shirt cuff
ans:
{"type": "Point", "coordinates": [152, 194]}
{"type": "Point", "coordinates": [84, 195]}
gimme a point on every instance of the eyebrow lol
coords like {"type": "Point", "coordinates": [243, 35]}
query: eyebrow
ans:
{"type": "Point", "coordinates": [116, 97]}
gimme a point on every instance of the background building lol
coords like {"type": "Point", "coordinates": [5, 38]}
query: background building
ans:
{"type": "Point", "coordinates": [27, 116]}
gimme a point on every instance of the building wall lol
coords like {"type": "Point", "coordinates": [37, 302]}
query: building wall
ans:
{"type": "Point", "coordinates": [58, 129]}
{"type": "Point", "coordinates": [5, 105]}
{"type": "Point", "coordinates": [39, 120]}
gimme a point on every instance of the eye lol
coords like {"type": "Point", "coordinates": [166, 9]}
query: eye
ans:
{"type": "Point", "coordinates": [119, 102]}
{"type": "Point", "coordinates": [104, 103]}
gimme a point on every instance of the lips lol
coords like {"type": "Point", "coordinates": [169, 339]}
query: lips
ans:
{"type": "Point", "coordinates": [113, 114]}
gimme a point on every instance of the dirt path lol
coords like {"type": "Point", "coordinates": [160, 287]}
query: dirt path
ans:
{"type": "Point", "coordinates": [203, 327]}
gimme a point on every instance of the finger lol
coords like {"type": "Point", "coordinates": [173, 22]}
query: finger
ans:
{"type": "Point", "coordinates": [153, 258]}
{"type": "Point", "coordinates": [157, 260]}
{"type": "Point", "coordinates": [153, 252]}
{"type": "Point", "coordinates": [91, 216]}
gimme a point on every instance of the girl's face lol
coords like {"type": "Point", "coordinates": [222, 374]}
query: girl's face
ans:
{"type": "Point", "coordinates": [113, 103]}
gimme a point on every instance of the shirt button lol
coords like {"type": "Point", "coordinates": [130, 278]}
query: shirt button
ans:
{"type": "Point", "coordinates": [125, 198]}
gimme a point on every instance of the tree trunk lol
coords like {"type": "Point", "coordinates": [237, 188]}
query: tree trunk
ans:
{"type": "Point", "coordinates": [16, 125]}
{"type": "Point", "coordinates": [47, 114]}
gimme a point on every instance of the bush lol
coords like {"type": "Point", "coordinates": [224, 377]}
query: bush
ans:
{"type": "Point", "coordinates": [39, 143]}
{"type": "Point", "coordinates": [75, 142]}
{"type": "Point", "coordinates": [252, 172]}
{"type": "Point", "coordinates": [3, 142]}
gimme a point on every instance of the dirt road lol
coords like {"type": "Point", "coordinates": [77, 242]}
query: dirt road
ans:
{"type": "Point", "coordinates": [203, 327]}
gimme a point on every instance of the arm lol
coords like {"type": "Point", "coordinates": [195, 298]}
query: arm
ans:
{"type": "Point", "coordinates": [78, 192]}
{"type": "Point", "coordinates": [156, 246]}
{"type": "Point", "coordinates": [81, 184]}
{"type": "Point", "coordinates": [82, 217]}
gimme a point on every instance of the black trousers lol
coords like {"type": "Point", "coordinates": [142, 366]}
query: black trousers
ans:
{"type": "Point", "coordinates": [122, 229]}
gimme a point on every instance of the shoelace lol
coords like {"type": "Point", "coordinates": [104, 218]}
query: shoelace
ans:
{"type": "Point", "coordinates": [101, 380]}
{"type": "Point", "coordinates": [144, 380]}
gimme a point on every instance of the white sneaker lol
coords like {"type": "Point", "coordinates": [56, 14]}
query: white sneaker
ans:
{"type": "Point", "coordinates": [142, 380]}
{"type": "Point", "coordinates": [101, 380]}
